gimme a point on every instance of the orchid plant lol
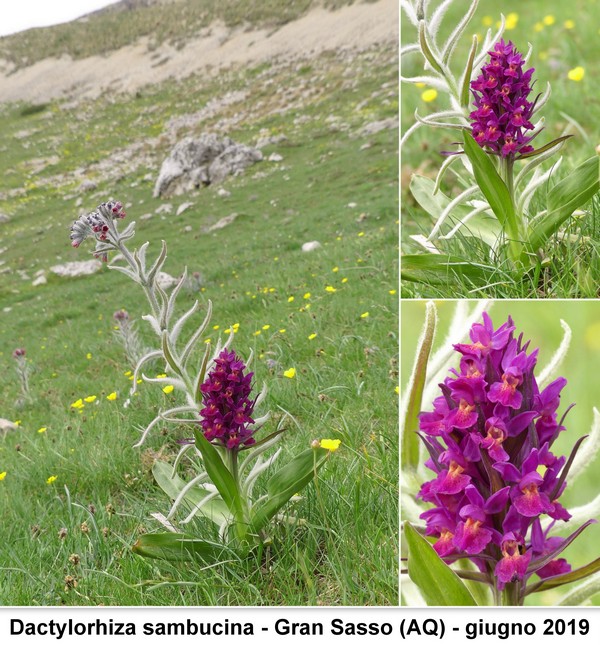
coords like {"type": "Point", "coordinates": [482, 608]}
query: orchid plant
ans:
{"type": "Point", "coordinates": [490, 514]}
{"type": "Point", "coordinates": [219, 406]}
{"type": "Point", "coordinates": [499, 170]}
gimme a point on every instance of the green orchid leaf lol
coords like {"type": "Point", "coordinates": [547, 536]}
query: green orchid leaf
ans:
{"type": "Point", "coordinates": [565, 197]}
{"type": "Point", "coordinates": [440, 269]}
{"type": "Point", "coordinates": [177, 546]}
{"type": "Point", "coordinates": [215, 509]}
{"type": "Point", "coordinates": [286, 482]}
{"type": "Point", "coordinates": [564, 578]}
{"type": "Point", "coordinates": [439, 585]}
{"type": "Point", "coordinates": [410, 439]}
{"type": "Point", "coordinates": [494, 189]}
{"type": "Point", "coordinates": [219, 475]}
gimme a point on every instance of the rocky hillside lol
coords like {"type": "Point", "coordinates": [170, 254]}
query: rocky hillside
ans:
{"type": "Point", "coordinates": [135, 42]}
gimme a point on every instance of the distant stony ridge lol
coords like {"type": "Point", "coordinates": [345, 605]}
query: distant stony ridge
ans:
{"type": "Point", "coordinates": [358, 26]}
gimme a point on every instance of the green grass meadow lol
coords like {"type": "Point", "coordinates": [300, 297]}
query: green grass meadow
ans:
{"type": "Point", "coordinates": [564, 36]}
{"type": "Point", "coordinates": [540, 322]}
{"type": "Point", "coordinates": [331, 314]}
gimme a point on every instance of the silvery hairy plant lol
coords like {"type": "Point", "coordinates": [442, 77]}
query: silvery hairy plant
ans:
{"type": "Point", "coordinates": [498, 170]}
{"type": "Point", "coordinates": [127, 334]}
{"type": "Point", "coordinates": [218, 406]}
{"type": "Point", "coordinates": [488, 439]}
{"type": "Point", "coordinates": [23, 369]}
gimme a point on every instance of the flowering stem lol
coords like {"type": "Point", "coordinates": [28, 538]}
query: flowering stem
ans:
{"type": "Point", "coordinates": [241, 523]}
{"type": "Point", "coordinates": [507, 174]}
{"type": "Point", "coordinates": [511, 595]}
{"type": "Point", "coordinates": [156, 309]}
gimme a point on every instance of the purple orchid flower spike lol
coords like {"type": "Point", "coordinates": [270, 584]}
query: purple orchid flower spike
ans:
{"type": "Point", "coordinates": [489, 437]}
{"type": "Point", "coordinates": [501, 120]}
{"type": "Point", "coordinates": [226, 415]}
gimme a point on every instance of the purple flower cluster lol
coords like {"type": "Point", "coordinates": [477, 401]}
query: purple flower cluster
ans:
{"type": "Point", "coordinates": [226, 415]}
{"type": "Point", "coordinates": [502, 116]}
{"type": "Point", "coordinates": [96, 223]}
{"type": "Point", "coordinates": [489, 437]}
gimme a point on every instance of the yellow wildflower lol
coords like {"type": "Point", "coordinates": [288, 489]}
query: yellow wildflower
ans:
{"type": "Point", "coordinates": [127, 373]}
{"type": "Point", "coordinates": [344, 280]}
{"type": "Point", "coordinates": [2, 475]}
{"type": "Point", "coordinates": [291, 299]}
{"type": "Point", "coordinates": [511, 20]}
{"type": "Point", "coordinates": [312, 336]}
{"type": "Point", "coordinates": [392, 292]}
{"type": "Point", "coordinates": [78, 404]}
{"type": "Point", "coordinates": [330, 444]}
{"type": "Point", "coordinates": [361, 234]}
{"type": "Point", "coordinates": [161, 376]}
{"type": "Point", "coordinates": [306, 296]}
{"type": "Point", "coordinates": [90, 399]}
{"type": "Point", "coordinates": [365, 314]}
{"type": "Point", "coordinates": [576, 74]}
{"type": "Point", "coordinates": [419, 85]}
{"type": "Point", "coordinates": [569, 24]}
{"type": "Point", "coordinates": [51, 479]}
{"type": "Point", "coordinates": [335, 269]}
{"type": "Point", "coordinates": [282, 331]}
{"type": "Point", "coordinates": [215, 327]}
{"type": "Point", "coordinates": [167, 389]}
{"type": "Point", "coordinates": [549, 20]}
{"type": "Point", "coordinates": [265, 327]}
{"type": "Point", "coordinates": [257, 332]}
{"type": "Point", "coordinates": [487, 21]}
{"type": "Point", "coordinates": [112, 396]}
{"type": "Point", "coordinates": [290, 373]}
{"type": "Point", "coordinates": [88, 356]}
{"type": "Point", "coordinates": [330, 289]}
{"type": "Point", "coordinates": [42, 430]}
{"type": "Point", "coordinates": [429, 95]}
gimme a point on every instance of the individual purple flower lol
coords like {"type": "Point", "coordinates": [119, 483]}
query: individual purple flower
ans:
{"type": "Point", "coordinates": [227, 412]}
{"type": "Point", "coordinates": [489, 438]}
{"type": "Point", "coordinates": [18, 353]}
{"type": "Point", "coordinates": [514, 562]}
{"type": "Point", "coordinates": [502, 116]}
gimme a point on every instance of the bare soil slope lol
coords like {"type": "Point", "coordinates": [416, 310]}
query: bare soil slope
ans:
{"type": "Point", "coordinates": [358, 26]}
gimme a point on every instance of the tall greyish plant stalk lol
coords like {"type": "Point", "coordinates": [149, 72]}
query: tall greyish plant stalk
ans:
{"type": "Point", "coordinates": [218, 405]}
{"type": "Point", "coordinates": [23, 370]}
{"type": "Point", "coordinates": [491, 510]}
{"type": "Point", "coordinates": [126, 333]}
{"type": "Point", "coordinates": [500, 171]}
